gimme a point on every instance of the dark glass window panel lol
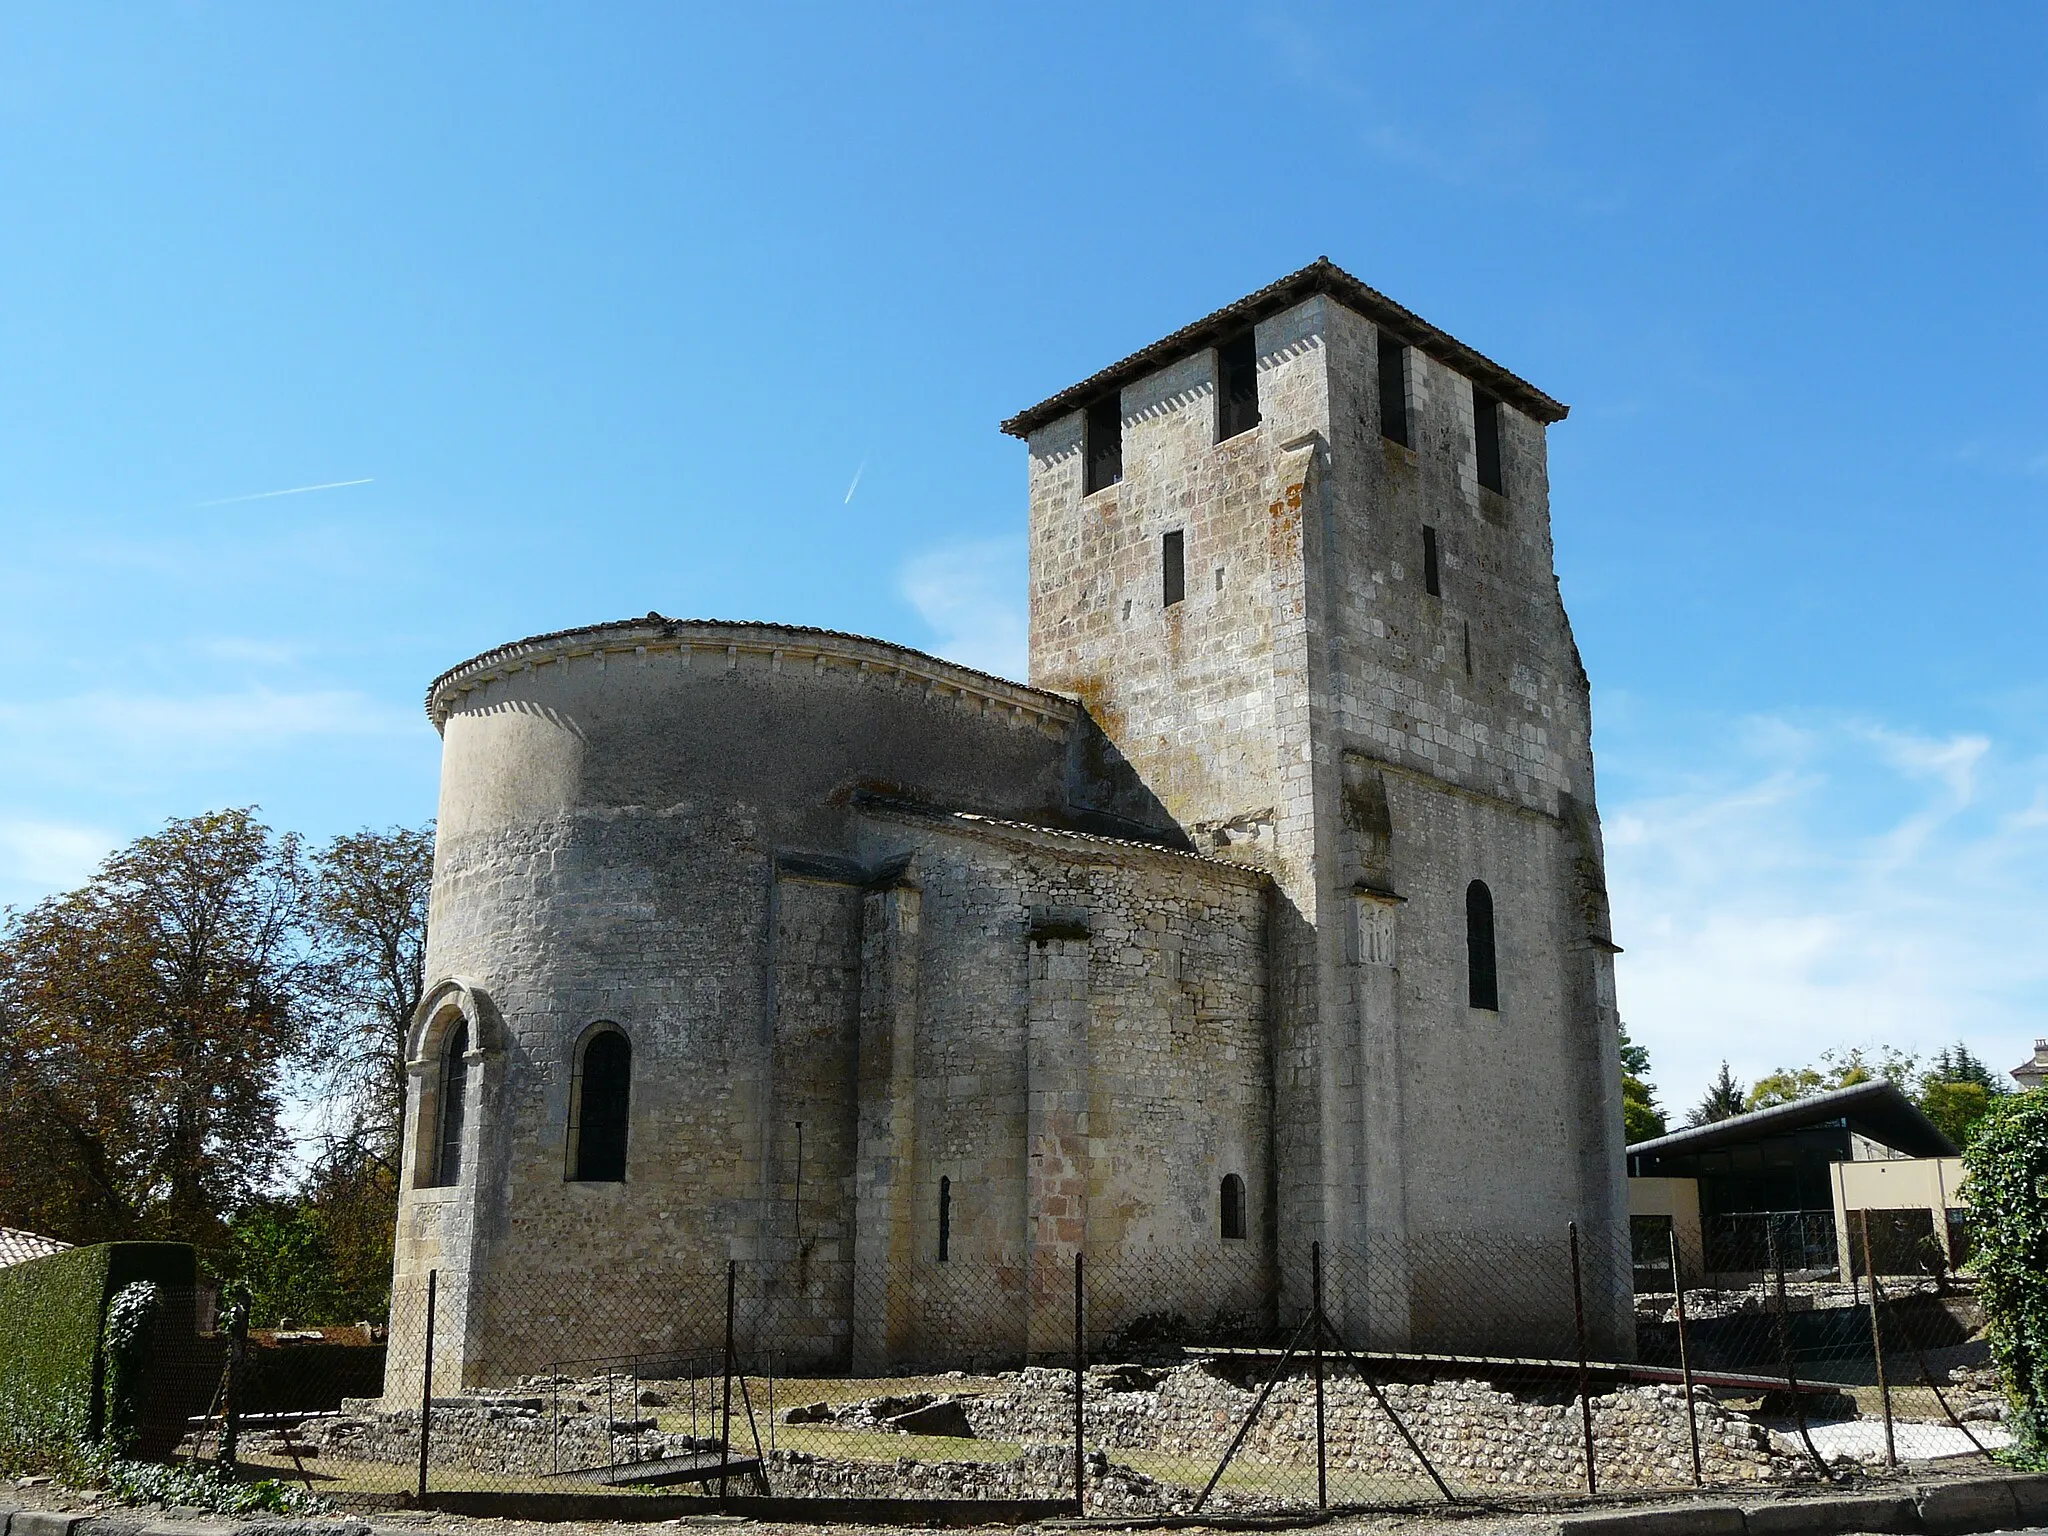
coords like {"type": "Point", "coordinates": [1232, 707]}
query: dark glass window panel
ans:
{"type": "Point", "coordinates": [602, 1117]}
{"type": "Point", "coordinates": [1486, 438]}
{"type": "Point", "coordinates": [1393, 390]}
{"type": "Point", "coordinates": [1103, 445]}
{"type": "Point", "coordinates": [1479, 950]}
{"type": "Point", "coordinates": [1233, 1205]}
{"type": "Point", "coordinates": [454, 1107]}
{"type": "Point", "coordinates": [1237, 386]}
{"type": "Point", "coordinates": [1173, 567]}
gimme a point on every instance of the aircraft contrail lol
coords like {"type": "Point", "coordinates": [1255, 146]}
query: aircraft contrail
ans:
{"type": "Point", "coordinates": [300, 490]}
{"type": "Point", "coordinates": [856, 482]}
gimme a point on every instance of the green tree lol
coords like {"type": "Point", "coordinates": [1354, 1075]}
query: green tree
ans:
{"type": "Point", "coordinates": [1641, 1119]}
{"type": "Point", "coordinates": [1836, 1069]}
{"type": "Point", "coordinates": [145, 1022]}
{"type": "Point", "coordinates": [369, 921]}
{"type": "Point", "coordinates": [1957, 1091]}
{"type": "Point", "coordinates": [1723, 1098]}
{"type": "Point", "coordinates": [2007, 1164]}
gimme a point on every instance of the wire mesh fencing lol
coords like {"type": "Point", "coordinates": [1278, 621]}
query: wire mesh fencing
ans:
{"type": "Point", "coordinates": [1233, 1377]}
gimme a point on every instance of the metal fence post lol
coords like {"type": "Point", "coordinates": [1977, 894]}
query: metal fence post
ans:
{"type": "Point", "coordinates": [1884, 1390]}
{"type": "Point", "coordinates": [1316, 1326]}
{"type": "Point", "coordinates": [1692, 1413]}
{"type": "Point", "coordinates": [231, 1409]}
{"type": "Point", "coordinates": [1585, 1387]}
{"type": "Point", "coordinates": [427, 1383]}
{"type": "Point", "coordinates": [1080, 1387]}
{"type": "Point", "coordinates": [1777, 1262]}
{"type": "Point", "coordinates": [732, 1274]}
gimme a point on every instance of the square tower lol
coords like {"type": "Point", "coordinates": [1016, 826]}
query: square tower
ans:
{"type": "Point", "coordinates": [1295, 560]}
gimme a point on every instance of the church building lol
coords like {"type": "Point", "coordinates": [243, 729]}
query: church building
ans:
{"type": "Point", "coordinates": [1271, 908]}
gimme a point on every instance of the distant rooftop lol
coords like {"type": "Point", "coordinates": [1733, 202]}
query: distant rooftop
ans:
{"type": "Point", "coordinates": [1320, 276]}
{"type": "Point", "coordinates": [17, 1246]}
{"type": "Point", "coordinates": [1877, 1110]}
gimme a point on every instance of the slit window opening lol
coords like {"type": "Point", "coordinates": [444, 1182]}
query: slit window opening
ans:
{"type": "Point", "coordinates": [454, 1107]}
{"type": "Point", "coordinates": [1233, 1206]}
{"type": "Point", "coordinates": [602, 1109]}
{"type": "Point", "coordinates": [1103, 445]}
{"type": "Point", "coordinates": [1173, 567]}
{"type": "Point", "coordinates": [945, 1217]}
{"type": "Point", "coordinates": [1237, 386]}
{"type": "Point", "coordinates": [1480, 964]}
{"type": "Point", "coordinates": [1393, 390]}
{"type": "Point", "coordinates": [1468, 647]}
{"type": "Point", "coordinates": [1486, 438]}
{"type": "Point", "coordinates": [1432, 577]}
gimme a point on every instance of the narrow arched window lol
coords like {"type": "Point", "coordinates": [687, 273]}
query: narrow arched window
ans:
{"type": "Point", "coordinates": [1480, 963]}
{"type": "Point", "coordinates": [606, 1091]}
{"type": "Point", "coordinates": [454, 1106]}
{"type": "Point", "coordinates": [945, 1217]}
{"type": "Point", "coordinates": [1233, 1205]}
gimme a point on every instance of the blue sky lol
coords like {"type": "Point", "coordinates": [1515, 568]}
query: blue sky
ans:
{"type": "Point", "coordinates": [608, 309]}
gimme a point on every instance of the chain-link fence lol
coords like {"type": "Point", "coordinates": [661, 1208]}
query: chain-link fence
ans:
{"type": "Point", "coordinates": [1152, 1381]}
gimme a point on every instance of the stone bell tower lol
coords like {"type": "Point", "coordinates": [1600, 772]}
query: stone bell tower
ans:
{"type": "Point", "coordinates": [1295, 560]}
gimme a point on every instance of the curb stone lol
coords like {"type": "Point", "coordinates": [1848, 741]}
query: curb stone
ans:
{"type": "Point", "coordinates": [2030, 1493]}
{"type": "Point", "coordinates": [1956, 1507]}
{"type": "Point", "coordinates": [43, 1522]}
{"type": "Point", "coordinates": [1827, 1517]}
{"type": "Point", "coordinates": [1687, 1520]}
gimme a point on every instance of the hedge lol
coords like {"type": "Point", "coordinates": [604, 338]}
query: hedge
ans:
{"type": "Point", "coordinates": [53, 1314]}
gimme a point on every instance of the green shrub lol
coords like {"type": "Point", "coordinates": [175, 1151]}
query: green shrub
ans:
{"type": "Point", "coordinates": [2007, 1159]}
{"type": "Point", "coordinates": [51, 1399]}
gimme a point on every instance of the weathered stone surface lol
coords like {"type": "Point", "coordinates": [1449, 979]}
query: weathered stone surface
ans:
{"type": "Point", "coordinates": [824, 881]}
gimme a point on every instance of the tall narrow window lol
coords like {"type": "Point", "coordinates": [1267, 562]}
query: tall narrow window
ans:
{"type": "Point", "coordinates": [1233, 1205]}
{"type": "Point", "coordinates": [1393, 390]}
{"type": "Point", "coordinates": [1103, 446]}
{"type": "Point", "coordinates": [606, 1093]}
{"type": "Point", "coordinates": [1432, 579]}
{"type": "Point", "coordinates": [1486, 438]}
{"type": "Point", "coordinates": [1479, 953]}
{"type": "Point", "coordinates": [454, 1107]}
{"type": "Point", "coordinates": [1173, 567]}
{"type": "Point", "coordinates": [945, 1217]}
{"type": "Point", "coordinates": [1237, 386]}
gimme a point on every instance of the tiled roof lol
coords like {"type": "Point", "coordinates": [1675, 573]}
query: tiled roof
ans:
{"type": "Point", "coordinates": [1320, 276]}
{"type": "Point", "coordinates": [16, 1245]}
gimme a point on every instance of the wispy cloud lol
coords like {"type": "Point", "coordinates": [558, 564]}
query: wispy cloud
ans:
{"type": "Point", "coordinates": [848, 501]}
{"type": "Point", "coordinates": [972, 597]}
{"type": "Point", "coordinates": [37, 857]}
{"type": "Point", "coordinates": [1833, 884]}
{"type": "Point", "coordinates": [296, 490]}
{"type": "Point", "coordinates": [83, 733]}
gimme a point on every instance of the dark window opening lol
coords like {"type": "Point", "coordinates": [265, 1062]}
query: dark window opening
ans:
{"type": "Point", "coordinates": [454, 1107]}
{"type": "Point", "coordinates": [601, 1116]}
{"type": "Point", "coordinates": [1103, 445]}
{"type": "Point", "coordinates": [1432, 579]}
{"type": "Point", "coordinates": [1486, 438]}
{"type": "Point", "coordinates": [1468, 647]}
{"type": "Point", "coordinates": [1237, 386]}
{"type": "Point", "coordinates": [1479, 952]}
{"type": "Point", "coordinates": [1174, 566]}
{"type": "Point", "coordinates": [945, 1217]}
{"type": "Point", "coordinates": [1233, 1205]}
{"type": "Point", "coordinates": [1393, 390]}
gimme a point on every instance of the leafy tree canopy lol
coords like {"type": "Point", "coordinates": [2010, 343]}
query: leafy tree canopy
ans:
{"type": "Point", "coordinates": [151, 1020]}
{"type": "Point", "coordinates": [1723, 1098]}
{"type": "Point", "coordinates": [1641, 1118]}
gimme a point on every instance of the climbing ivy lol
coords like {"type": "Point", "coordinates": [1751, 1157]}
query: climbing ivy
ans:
{"type": "Point", "coordinates": [124, 1349]}
{"type": "Point", "coordinates": [2007, 1159]}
